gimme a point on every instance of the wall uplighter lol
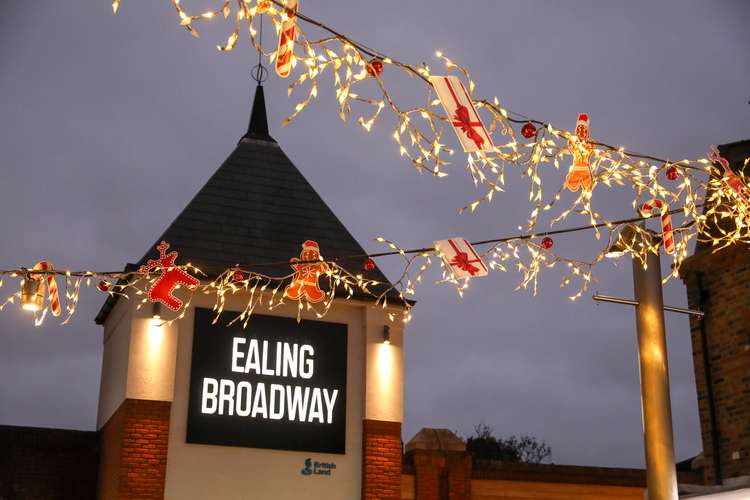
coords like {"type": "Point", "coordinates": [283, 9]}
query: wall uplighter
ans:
{"type": "Point", "coordinates": [157, 310]}
{"type": "Point", "coordinates": [386, 334]}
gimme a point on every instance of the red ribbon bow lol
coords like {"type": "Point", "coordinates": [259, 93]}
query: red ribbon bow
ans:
{"type": "Point", "coordinates": [467, 126]}
{"type": "Point", "coordinates": [461, 261]}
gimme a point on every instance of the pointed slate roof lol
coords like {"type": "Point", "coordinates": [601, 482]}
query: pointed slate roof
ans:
{"type": "Point", "coordinates": [256, 209]}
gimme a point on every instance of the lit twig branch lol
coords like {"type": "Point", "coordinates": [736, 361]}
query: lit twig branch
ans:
{"type": "Point", "coordinates": [419, 132]}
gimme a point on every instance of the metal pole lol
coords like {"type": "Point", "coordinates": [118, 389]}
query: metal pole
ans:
{"type": "Point", "coordinates": [661, 476]}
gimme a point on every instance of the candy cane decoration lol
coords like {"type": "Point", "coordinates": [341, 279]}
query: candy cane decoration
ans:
{"type": "Point", "coordinates": [54, 295]}
{"type": "Point", "coordinates": [650, 208]}
{"type": "Point", "coordinates": [288, 34]}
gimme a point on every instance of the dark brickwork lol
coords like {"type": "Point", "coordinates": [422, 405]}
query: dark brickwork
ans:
{"type": "Point", "coordinates": [134, 451]}
{"type": "Point", "coordinates": [440, 475]}
{"type": "Point", "coordinates": [725, 280]}
{"type": "Point", "coordinates": [381, 461]}
{"type": "Point", "coordinates": [47, 464]}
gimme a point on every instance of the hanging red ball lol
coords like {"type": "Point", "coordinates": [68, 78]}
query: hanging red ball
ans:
{"type": "Point", "coordinates": [528, 130]}
{"type": "Point", "coordinates": [375, 67]}
{"type": "Point", "coordinates": [672, 173]}
{"type": "Point", "coordinates": [547, 242]}
{"type": "Point", "coordinates": [238, 276]}
{"type": "Point", "coordinates": [263, 6]}
{"type": "Point", "coordinates": [369, 264]}
{"type": "Point", "coordinates": [103, 286]}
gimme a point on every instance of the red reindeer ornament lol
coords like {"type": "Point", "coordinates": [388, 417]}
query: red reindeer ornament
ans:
{"type": "Point", "coordinates": [171, 276]}
{"type": "Point", "coordinates": [307, 270]}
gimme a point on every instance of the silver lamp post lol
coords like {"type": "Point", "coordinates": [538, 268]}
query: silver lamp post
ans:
{"type": "Point", "coordinates": [661, 476]}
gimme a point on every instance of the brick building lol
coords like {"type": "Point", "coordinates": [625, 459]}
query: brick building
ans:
{"type": "Point", "coordinates": [721, 349]}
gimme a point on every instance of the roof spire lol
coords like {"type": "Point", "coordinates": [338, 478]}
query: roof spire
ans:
{"type": "Point", "coordinates": [258, 127]}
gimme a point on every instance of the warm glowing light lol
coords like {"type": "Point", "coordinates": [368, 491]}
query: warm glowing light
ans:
{"type": "Point", "coordinates": [32, 297]}
{"type": "Point", "coordinates": [704, 196]}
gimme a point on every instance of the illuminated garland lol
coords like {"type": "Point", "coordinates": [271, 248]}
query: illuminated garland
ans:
{"type": "Point", "coordinates": [419, 129]}
{"type": "Point", "coordinates": [268, 291]}
{"type": "Point", "coordinates": [419, 133]}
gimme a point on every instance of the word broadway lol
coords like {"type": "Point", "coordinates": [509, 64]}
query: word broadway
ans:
{"type": "Point", "coordinates": [269, 401]}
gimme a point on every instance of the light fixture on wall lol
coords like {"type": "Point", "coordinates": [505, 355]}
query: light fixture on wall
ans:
{"type": "Point", "coordinates": [32, 296]}
{"type": "Point", "coordinates": [157, 310]}
{"type": "Point", "coordinates": [386, 334]}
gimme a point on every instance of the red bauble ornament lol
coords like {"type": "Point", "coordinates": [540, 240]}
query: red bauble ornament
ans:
{"type": "Point", "coordinates": [263, 6]}
{"type": "Point", "coordinates": [238, 276]}
{"type": "Point", "coordinates": [103, 286]}
{"type": "Point", "coordinates": [375, 66]}
{"type": "Point", "coordinates": [528, 130]}
{"type": "Point", "coordinates": [547, 242]}
{"type": "Point", "coordinates": [369, 264]}
{"type": "Point", "coordinates": [672, 173]}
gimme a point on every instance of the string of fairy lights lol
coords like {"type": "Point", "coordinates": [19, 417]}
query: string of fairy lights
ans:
{"type": "Point", "coordinates": [269, 291]}
{"type": "Point", "coordinates": [710, 198]}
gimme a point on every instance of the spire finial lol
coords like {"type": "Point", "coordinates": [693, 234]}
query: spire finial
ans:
{"type": "Point", "coordinates": [258, 127]}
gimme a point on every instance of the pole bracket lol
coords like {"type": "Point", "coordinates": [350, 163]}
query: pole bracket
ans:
{"type": "Point", "coordinates": [630, 302]}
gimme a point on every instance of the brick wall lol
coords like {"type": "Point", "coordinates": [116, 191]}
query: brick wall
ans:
{"type": "Point", "coordinates": [381, 461]}
{"type": "Point", "coordinates": [725, 279]}
{"type": "Point", "coordinates": [440, 475]}
{"type": "Point", "coordinates": [134, 451]}
{"type": "Point", "coordinates": [50, 464]}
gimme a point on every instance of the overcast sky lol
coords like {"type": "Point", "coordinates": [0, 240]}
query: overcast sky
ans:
{"type": "Point", "coordinates": [110, 124]}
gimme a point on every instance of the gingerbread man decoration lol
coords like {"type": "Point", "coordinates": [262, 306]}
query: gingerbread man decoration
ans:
{"type": "Point", "coordinates": [171, 276]}
{"type": "Point", "coordinates": [579, 175]}
{"type": "Point", "coordinates": [307, 270]}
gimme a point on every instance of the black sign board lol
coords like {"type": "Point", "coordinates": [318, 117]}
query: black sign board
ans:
{"type": "Point", "coordinates": [277, 384]}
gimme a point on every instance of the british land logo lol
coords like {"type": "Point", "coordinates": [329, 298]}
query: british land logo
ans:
{"type": "Point", "coordinates": [316, 468]}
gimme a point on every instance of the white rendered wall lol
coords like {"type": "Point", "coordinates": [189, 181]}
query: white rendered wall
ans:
{"type": "Point", "coordinates": [384, 368]}
{"type": "Point", "coordinates": [196, 471]}
{"type": "Point", "coordinates": [144, 361]}
{"type": "Point", "coordinates": [153, 353]}
{"type": "Point", "coordinates": [138, 361]}
{"type": "Point", "coordinates": [113, 386]}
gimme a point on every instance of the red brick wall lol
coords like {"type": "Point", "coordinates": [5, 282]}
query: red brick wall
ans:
{"type": "Point", "coordinates": [381, 463]}
{"type": "Point", "coordinates": [428, 475]}
{"type": "Point", "coordinates": [134, 451]}
{"type": "Point", "coordinates": [441, 475]}
{"type": "Point", "coordinates": [725, 278]}
{"type": "Point", "coordinates": [459, 476]}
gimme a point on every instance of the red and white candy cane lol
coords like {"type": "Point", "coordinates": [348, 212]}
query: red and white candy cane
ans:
{"type": "Point", "coordinates": [288, 34]}
{"type": "Point", "coordinates": [649, 208]}
{"type": "Point", "coordinates": [54, 295]}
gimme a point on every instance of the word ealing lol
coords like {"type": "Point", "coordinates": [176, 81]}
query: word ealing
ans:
{"type": "Point", "coordinates": [269, 401]}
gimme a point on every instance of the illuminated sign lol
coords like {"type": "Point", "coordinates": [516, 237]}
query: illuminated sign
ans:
{"type": "Point", "coordinates": [277, 384]}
